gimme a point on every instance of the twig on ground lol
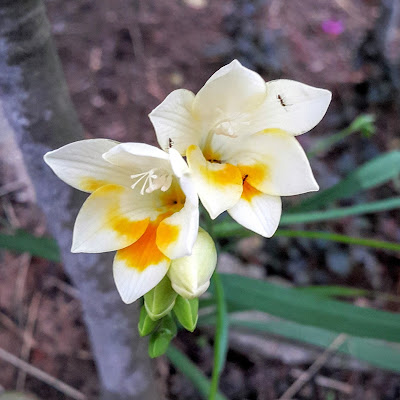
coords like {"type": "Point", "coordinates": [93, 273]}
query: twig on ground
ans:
{"type": "Point", "coordinates": [11, 187]}
{"type": "Point", "coordinates": [24, 263]}
{"type": "Point", "coordinates": [326, 382]}
{"type": "Point", "coordinates": [314, 368]}
{"type": "Point", "coordinates": [8, 323]}
{"type": "Point", "coordinates": [64, 287]}
{"type": "Point", "coordinates": [29, 330]}
{"type": "Point", "coordinates": [42, 376]}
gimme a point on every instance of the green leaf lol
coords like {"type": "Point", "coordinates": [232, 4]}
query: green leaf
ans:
{"type": "Point", "coordinates": [344, 291]}
{"type": "Point", "coordinates": [376, 352]}
{"type": "Point", "coordinates": [187, 312]}
{"type": "Point", "coordinates": [363, 123]}
{"type": "Point", "coordinates": [373, 173]}
{"type": "Point", "coordinates": [251, 294]}
{"type": "Point", "coordinates": [336, 213]}
{"type": "Point", "coordinates": [190, 370]}
{"type": "Point", "coordinates": [22, 242]}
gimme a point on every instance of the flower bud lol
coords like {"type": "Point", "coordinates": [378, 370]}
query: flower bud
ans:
{"type": "Point", "coordinates": [190, 275]}
{"type": "Point", "coordinates": [187, 312]}
{"type": "Point", "coordinates": [160, 300]}
{"type": "Point", "coordinates": [146, 325]}
{"type": "Point", "coordinates": [160, 339]}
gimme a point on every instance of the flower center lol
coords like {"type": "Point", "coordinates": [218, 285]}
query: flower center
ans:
{"type": "Point", "coordinates": [225, 128]}
{"type": "Point", "coordinates": [152, 180]}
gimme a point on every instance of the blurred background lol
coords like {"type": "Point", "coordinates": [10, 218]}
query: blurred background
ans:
{"type": "Point", "coordinates": [121, 59]}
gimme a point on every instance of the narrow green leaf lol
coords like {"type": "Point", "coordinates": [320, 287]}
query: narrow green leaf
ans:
{"type": "Point", "coordinates": [22, 242]}
{"type": "Point", "coordinates": [363, 123]}
{"type": "Point", "coordinates": [251, 294]}
{"type": "Point", "coordinates": [371, 174]}
{"type": "Point", "coordinates": [335, 213]}
{"type": "Point", "coordinates": [221, 334]}
{"type": "Point", "coordinates": [378, 353]}
{"type": "Point", "coordinates": [190, 370]}
{"type": "Point", "coordinates": [378, 244]}
{"type": "Point", "coordinates": [343, 291]}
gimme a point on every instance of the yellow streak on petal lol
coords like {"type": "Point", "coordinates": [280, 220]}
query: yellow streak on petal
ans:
{"type": "Point", "coordinates": [249, 192]}
{"type": "Point", "coordinates": [91, 184]}
{"type": "Point", "coordinates": [213, 173]}
{"type": "Point", "coordinates": [256, 174]}
{"type": "Point", "coordinates": [167, 234]}
{"type": "Point", "coordinates": [144, 252]}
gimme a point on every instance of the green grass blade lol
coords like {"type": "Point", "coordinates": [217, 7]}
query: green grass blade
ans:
{"type": "Point", "coordinates": [373, 173]}
{"type": "Point", "coordinates": [190, 370]}
{"type": "Point", "coordinates": [377, 244]}
{"type": "Point", "coordinates": [291, 304]}
{"type": "Point", "coordinates": [363, 123]}
{"type": "Point", "coordinates": [221, 334]}
{"type": "Point", "coordinates": [22, 242]}
{"type": "Point", "coordinates": [376, 352]}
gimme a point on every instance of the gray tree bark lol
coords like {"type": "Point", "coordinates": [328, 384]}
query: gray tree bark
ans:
{"type": "Point", "coordinates": [37, 105]}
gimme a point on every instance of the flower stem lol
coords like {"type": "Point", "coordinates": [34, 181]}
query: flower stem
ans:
{"type": "Point", "coordinates": [221, 336]}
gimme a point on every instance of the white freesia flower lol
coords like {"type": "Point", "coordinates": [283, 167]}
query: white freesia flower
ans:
{"type": "Point", "coordinates": [238, 136]}
{"type": "Point", "coordinates": [142, 204]}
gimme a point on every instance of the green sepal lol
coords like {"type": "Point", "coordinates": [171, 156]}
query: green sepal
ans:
{"type": "Point", "coordinates": [161, 338]}
{"type": "Point", "coordinates": [160, 300]}
{"type": "Point", "coordinates": [187, 312]}
{"type": "Point", "coordinates": [146, 325]}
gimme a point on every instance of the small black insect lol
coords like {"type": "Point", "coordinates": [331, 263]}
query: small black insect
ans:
{"type": "Point", "coordinates": [281, 100]}
{"type": "Point", "coordinates": [170, 142]}
{"type": "Point", "coordinates": [245, 177]}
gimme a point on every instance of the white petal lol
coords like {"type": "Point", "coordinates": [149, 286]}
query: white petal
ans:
{"type": "Point", "coordinates": [178, 164]}
{"type": "Point", "coordinates": [190, 276]}
{"type": "Point", "coordinates": [291, 106]}
{"type": "Point", "coordinates": [257, 211]}
{"type": "Point", "coordinates": [80, 164]}
{"type": "Point", "coordinates": [230, 92]}
{"type": "Point", "coordinates": [137, 157]}
{"type": "Point", "coordinates": [275, 164]}
{"type": "Point", "coordinates": [140, 267]}
{"type": "Point", "coordinates": [112, 218]}
{"type": "Point", "coordinates": [174, 123]}
{"type": "Point", "coordinates": [219, 186]}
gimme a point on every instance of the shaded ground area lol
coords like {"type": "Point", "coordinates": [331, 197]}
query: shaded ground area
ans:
{"type": "Point", "coordinates": [121, 59]}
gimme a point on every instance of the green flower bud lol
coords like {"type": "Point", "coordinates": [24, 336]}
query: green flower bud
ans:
{"type": "Point", "coordinates": [160, 300]}
{"type": "Point", "coordinates": [146, 325]}
{"type": "Point", "coordinates": [159, 340]}
{"type": "Point", "coordinates": [190, 276]}
{"type": "Point", "coordinates": [187, 312]}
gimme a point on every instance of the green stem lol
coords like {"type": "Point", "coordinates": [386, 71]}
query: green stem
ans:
{"type": "Point", "coordinates": [221, 335]}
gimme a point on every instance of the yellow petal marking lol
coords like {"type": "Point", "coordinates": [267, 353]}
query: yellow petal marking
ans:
{"type": "Point", "coordinates": [145, 252]}
{"type": "Point", "coordinates": [249, 192]}
{"type": "Point", "coordinates": [213, 173]}
{"type": "Point", "coordinates": [91, 184]}
{"type": "Point", "coordinates": [256, 175]}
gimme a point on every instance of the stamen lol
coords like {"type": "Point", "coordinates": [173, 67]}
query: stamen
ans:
{"type": "Point", "coordinates": [152, 181]}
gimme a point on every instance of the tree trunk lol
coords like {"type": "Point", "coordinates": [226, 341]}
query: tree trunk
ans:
{"type": "Point", "coordinates": [37, 105]}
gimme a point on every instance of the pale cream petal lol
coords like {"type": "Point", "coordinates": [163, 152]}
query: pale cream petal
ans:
{"type": "Point", "coordinates": [112, 218]}
{"type": "Point", "coordinates": [290, 106]}
{"type": "Point", "coordinates": [257, 211]}
{"type": "Point", "coordinates": [80, 164]}
{"type": "Point", "coordinates": [219, 186]}
{"type": "Point", "coordinates": [174, 123]}
{"type": "Point", "coordinates": [139, 267]}
{"type": "Point", "coordinates": [274, 163]}
{"type": "Point", "coordinates": [190, 276]}
{"type": "Point", "coordinates": [138, 157]}
{"type": "Point", "coordinates": [231, 92]}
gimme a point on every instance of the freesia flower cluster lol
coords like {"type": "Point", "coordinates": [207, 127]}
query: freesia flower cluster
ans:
{"type": "Point", "coordinates": [238, 137]}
